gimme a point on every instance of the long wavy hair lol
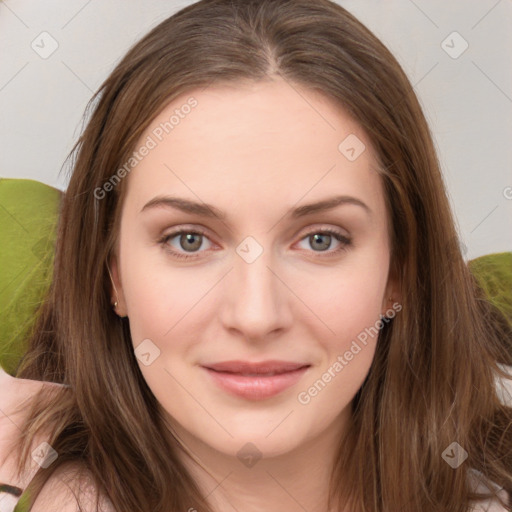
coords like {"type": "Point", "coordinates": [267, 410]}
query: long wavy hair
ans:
{"type": "Point", "coordinates": [432, 380]}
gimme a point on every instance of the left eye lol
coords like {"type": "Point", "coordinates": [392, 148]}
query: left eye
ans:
{"type": "Point", "coordinates": [192, 242]}
{"type": "Point", "coordinates": [322, 240]}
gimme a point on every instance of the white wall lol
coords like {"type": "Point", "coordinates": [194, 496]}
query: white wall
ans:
{"type": "Point", "coordinates": [468, 100]}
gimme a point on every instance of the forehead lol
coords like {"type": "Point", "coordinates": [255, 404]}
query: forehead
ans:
{"type": "Point", "coordinates": [265, 141]}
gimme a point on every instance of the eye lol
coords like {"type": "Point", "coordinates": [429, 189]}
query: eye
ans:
{"type": "Point", "coordinates": [191, 241]}
{"type": "Point", "coordinates": [187, 240]}
{"type": "Point", "coordinates": [322, 239]}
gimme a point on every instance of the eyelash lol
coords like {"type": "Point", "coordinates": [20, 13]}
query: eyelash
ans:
{"type": "Point", "coordinates": [344, 240]}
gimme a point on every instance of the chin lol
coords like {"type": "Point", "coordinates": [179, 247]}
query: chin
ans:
{"type": "Point", "coordinates": [256, 444]}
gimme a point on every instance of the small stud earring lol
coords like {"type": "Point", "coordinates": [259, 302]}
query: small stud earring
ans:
{"type": "Point", "coordinates": [114, 286]}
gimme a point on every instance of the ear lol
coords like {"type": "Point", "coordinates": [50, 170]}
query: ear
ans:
{"type": "Point", "coordinates": [116, 289]}
{"type": "Point", "coordinates": [392, 299]}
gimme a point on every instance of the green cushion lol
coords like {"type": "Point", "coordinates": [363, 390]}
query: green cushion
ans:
{"type": "Point", "coordinates": [23, 502]}
{"type": "Point", "coordinates": [28, 217]}
{"type": "Point", "coordinates": [28, 220]}
{"type": "Point", "coordinates": [493, 273]}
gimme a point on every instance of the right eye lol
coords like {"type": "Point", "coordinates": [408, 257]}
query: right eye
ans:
{"type": "Point", "coordinates": [187, 239]}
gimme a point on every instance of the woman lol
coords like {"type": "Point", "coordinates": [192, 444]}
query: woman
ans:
{"type": "Point", "coordinates": [252, 369]}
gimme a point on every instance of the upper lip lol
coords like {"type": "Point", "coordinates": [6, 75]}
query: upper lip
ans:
{"type": "Point", "coordinates": [271, 366]}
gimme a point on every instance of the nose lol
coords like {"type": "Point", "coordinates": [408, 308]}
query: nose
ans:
{"type": "Point", "coordinates": [256, 299]}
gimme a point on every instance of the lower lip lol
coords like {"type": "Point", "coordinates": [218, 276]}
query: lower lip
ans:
{"type": "Point", "coordinates": [256, 388]}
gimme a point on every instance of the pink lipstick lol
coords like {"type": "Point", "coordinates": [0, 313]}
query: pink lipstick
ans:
{"type": "Point", "coordinates": [256, 381]}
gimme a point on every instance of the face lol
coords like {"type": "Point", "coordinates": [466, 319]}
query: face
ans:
{"type": "Point", "coordinates": [255, 276]}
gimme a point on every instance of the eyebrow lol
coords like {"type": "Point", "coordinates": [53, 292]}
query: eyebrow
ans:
{"type": "Point", "coordinates": [209, 211]}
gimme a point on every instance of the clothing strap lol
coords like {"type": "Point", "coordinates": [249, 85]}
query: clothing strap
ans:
{"type": "Point", "coordinates": [11, 489]}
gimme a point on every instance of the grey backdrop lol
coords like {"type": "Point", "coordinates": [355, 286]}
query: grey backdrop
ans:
{"type": "Point", "coordinates": [54, 54]}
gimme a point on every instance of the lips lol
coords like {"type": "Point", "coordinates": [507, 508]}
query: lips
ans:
{"type": "Point", "coordinates": [255, 381]}
{"type": "Point", "coordinates": [256, 369]}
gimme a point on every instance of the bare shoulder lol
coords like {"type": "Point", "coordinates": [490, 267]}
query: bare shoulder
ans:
{"type": "Point", "coordinates": [491, 505]}
{"type": "Point", "coordinates": [15, 397]}
{"type": "Point", "coordinates": [479, 485]}
{"type": "Point", "coordinates": [11, 420]}
{"type": "Point", "coordinates": [69, 487]}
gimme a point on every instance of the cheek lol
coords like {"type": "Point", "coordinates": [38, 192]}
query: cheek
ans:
{"type": "Point", "coordinates": [160, 304]}
{"type": "Point", "coordinates": [158, 296]}
{"type": "Point", "coordinates": [350, 306]}
{"type": "Point", "coordinates": [348, 300]}
{"type": "Point", "coordinates": [348, 297]}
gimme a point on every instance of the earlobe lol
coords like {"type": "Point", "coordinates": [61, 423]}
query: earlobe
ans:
{"type": "Point", "coordinates": [117, 300]}
{"type": "Point", "coordinates": [392, 302]}
{"type": "Point", "coordinates": [391, 306]}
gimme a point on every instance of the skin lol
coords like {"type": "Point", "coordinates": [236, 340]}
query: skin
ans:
{"type": "Point", "coordinates": [254, 152]}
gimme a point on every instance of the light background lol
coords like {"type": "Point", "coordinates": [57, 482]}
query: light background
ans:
{"type": "Point", "coordinates": [467, 100]}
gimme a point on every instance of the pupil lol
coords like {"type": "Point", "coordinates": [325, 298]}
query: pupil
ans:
{"type": "Point", "coordinates": [190, 239]}
{"type": "Point", "coordinates": [319, 237]}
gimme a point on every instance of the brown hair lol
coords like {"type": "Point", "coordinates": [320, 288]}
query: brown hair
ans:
{"type": "Point", "coordinates": [432, 378]}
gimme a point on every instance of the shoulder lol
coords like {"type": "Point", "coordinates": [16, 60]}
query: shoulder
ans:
{"type": "Point", "coordinates": [60, 490]}
{"type": "Point", "coordinates": [15, 390]}
{"type": "Point", "coordinates": [67, 489]}
{"type": "Point", "coordinates": [15, 393]}
{"type": "Point", "coordinates": [490, 505]}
